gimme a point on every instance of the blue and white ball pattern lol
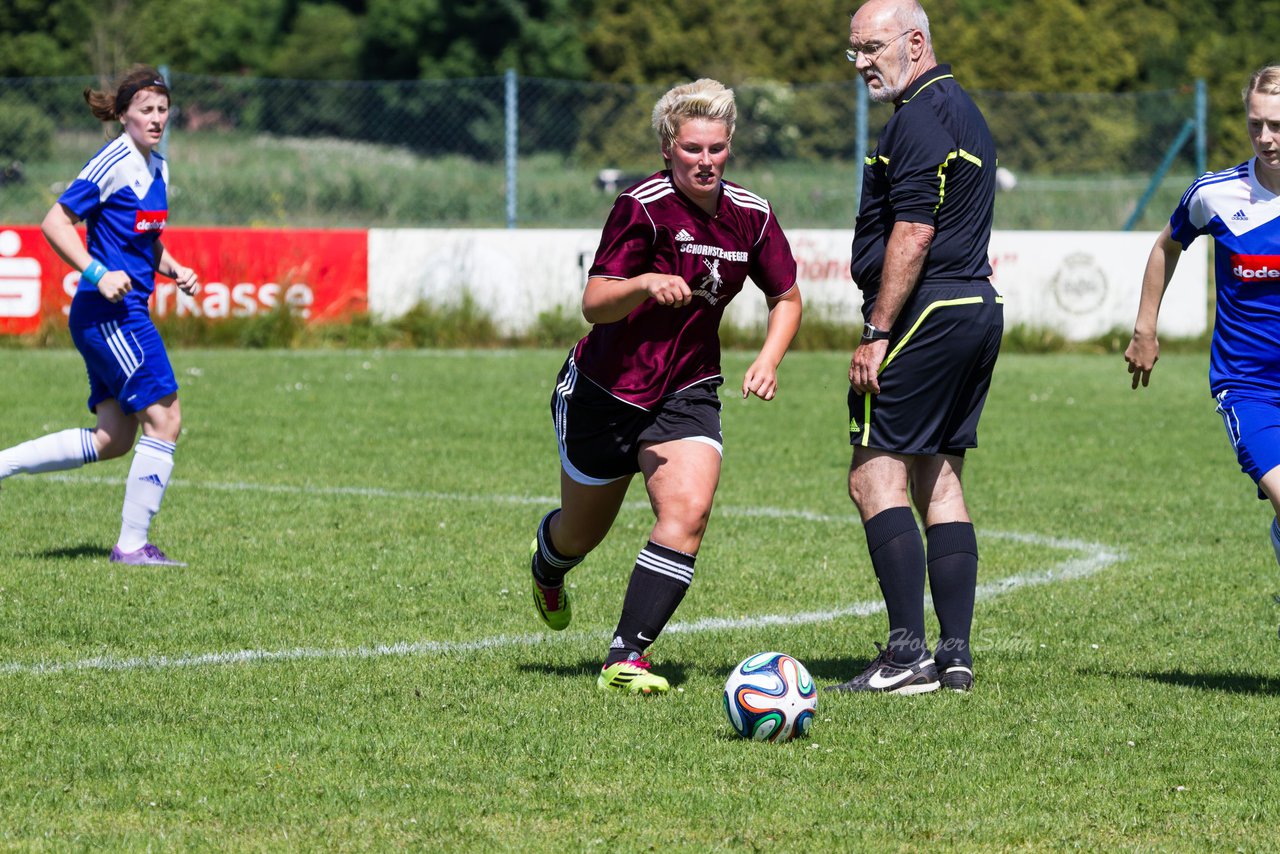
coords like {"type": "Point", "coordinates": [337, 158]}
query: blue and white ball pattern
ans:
{"type": "Point", "coordinates": [770, 696]}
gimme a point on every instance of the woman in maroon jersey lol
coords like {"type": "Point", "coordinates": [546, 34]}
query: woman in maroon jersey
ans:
{"type": "Point", "coordinates": [639, 394]}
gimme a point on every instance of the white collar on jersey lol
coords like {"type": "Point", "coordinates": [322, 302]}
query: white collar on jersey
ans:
{"type": "Point", "coordinates": [1264, 194]}
{"type": "Point", "coordinates": [142, 170]}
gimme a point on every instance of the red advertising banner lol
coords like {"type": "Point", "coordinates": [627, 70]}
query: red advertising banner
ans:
{"type": "Point", "coordinates": [319, 274]}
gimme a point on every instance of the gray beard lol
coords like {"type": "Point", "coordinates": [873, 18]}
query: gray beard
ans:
{"type": "Point", "coordinates": [888, 94]}
{"type": "Point", "coordinates": [884, 94]}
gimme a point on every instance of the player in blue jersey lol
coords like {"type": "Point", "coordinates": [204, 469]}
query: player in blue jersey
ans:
{"type": "Point", "coordinates": [1240, 209]}
{"type": "Point", "coordinates": [120, 195]}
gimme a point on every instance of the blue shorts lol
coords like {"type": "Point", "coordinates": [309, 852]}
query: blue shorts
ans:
{"type": "Point", "coordinates": [1252, 420]}
{"type": "Point", "coordinates": [125, 359]}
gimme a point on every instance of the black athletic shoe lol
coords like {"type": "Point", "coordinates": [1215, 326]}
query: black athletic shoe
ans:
{"type": "Point", "coordinates": [956, 676]}
{"type": "Point", "coordinates": [886, 676]}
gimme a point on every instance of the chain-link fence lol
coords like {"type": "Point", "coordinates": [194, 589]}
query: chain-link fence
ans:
{"type": "Point", "coordinates": [444, 153]}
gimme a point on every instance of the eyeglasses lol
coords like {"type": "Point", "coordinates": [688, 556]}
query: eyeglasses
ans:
{"type": "Point", "coordinates": [871, 50]}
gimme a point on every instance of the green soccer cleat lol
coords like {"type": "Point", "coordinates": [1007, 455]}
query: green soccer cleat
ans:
{"type": "Point", "coordinates": [632, 677]}
{"type": "Point", "coordinates": [551, 603]}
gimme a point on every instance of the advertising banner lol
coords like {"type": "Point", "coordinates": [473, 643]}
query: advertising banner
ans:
{"type": "Point", "coordinates": [319, 274]}
{"type": "Point", "coordinates": [30, 279]}
{"type": "Point", "coordinates": [1080, 284]}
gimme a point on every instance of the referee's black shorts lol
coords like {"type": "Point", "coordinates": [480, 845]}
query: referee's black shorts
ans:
{"type": "Point", "coordinates": [600, 436]}
{"type": "Point", "coordinates": [935, 376]}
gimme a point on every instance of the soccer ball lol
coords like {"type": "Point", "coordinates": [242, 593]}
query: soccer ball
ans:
{"type": "Point", "coordinates": [770, 697]}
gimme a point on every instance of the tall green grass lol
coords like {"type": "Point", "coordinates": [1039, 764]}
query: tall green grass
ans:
{"type": "Point", "coordinates": [229, 178]}
{"type": "Point", "coordinates": [351, 661]}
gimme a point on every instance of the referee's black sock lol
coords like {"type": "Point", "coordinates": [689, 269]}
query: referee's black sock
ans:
{"type": "Point", "coordinates": [658, 583]}
{"type": "Point", "coordinates": [549, 566]}
{"type": "Point", "coordinates": [897, 555]}
{"type": "Point", "coordinates": [953, 580]}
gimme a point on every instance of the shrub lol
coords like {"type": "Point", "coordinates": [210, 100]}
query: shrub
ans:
{"type": "Point", "coordinates": [463, 325]}
{"type": "Point", "coordinates": [26, 133]}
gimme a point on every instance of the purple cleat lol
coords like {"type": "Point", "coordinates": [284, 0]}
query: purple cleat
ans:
{"type": "Point", "coordinates": [148, 555]}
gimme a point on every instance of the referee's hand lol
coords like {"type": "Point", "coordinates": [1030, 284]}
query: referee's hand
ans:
{"type": "Point", "coordinates": [864, 367]}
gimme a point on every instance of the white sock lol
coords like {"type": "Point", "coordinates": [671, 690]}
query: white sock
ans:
{"type": "Point", "coordinates": [1275, 537]}
{"type": "Point", "coordinates": [68, 449]}
{"type": "Point", "coordinates": [144, 490]}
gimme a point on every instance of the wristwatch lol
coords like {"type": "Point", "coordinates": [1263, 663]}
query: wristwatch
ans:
{"type": "Point", "coordinates": [871, 333]}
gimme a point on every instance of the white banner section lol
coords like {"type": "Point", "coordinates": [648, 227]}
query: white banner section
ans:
{"type": "Point", "coordinates": [1080, 284]}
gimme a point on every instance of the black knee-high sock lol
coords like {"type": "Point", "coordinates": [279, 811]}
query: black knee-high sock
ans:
{"type": "Point", "coordinates": [897, 555]}
{"type": "Point", "coordinates": [549, 566]}
{"type": "Point", "coordinates": [953, 581]}
{"type": "Point", "coordinates": [658, 583]}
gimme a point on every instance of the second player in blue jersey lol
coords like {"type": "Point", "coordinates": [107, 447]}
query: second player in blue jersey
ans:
{"type": "Point", "coordinates": [121, 197]}
{"type": "Point", "coordinates": [1240, 209]}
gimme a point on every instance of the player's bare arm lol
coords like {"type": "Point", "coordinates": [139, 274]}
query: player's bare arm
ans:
{"type": "Point", "coordinates": [761, 378]}
{"type": "Point", "coordinates": [905, 254]}
{"type": "Point", "coordinates": [607, 300]}
{"type": "Point", "coordinates": [1144, 348]}
{"type": "Point", "coordinates": [59, 228]}
{"type": "Point", "coordinates": [185, 277]}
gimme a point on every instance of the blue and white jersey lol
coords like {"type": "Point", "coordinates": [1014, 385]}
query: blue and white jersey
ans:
{"type": "Point", "coordinates": [1243, 217]}
{"type": "Point", "coordinates": [121, 196]}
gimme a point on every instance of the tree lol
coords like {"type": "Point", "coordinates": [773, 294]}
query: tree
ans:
{"type": "Point", "coordinates": [207, 37]}
{"type": "Point", "coordinates": [39, 38]}
{"type": "Point", "coordinates": [429, 39]}
{"type": "Point", "coordinates": [322, 43]}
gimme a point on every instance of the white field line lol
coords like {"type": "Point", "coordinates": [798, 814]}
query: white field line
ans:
{"type": "Point", "coordinates": [1088, 559]}
{"type": "Point", "coordinates": [426, 495]}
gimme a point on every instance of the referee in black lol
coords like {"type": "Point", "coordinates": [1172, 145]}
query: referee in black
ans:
{"type": "Point", "coordinates": [931, 333]}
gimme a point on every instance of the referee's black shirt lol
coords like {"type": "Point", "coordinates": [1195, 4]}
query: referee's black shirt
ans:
{"type": "Point", "coordinates": [935, 163]}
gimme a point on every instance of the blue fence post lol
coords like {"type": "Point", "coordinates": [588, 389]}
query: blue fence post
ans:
{"type": "Point", "coordinates": [1188, 127]}
{"type": "Point", "coordinates": [1195, 125]}
{"type": "Point", "coordinates": [1202, 120]}
{"type": "Point", "coordinates": [860, 142]}
{"type": "Point", "coordinates": [512, 146]}
{"type": "Point", "coordinates": [163, 148]}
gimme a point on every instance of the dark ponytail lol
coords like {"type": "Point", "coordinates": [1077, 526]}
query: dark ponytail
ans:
{"type": "Point", "coordinates": [108, 106]}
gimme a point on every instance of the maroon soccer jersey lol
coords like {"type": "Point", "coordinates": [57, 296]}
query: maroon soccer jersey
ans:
{"type": "Point", "coordinates": [653, 228]}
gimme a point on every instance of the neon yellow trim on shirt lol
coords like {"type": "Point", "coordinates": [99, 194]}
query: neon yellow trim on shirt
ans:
{"type": "Point", "coordinates": [927, 85]}
{"type": "Point", "coordinates": [942, 180]}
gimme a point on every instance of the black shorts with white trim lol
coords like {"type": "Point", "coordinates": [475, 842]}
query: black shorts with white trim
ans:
{"type": "Point", "coordinates": [600, 436]}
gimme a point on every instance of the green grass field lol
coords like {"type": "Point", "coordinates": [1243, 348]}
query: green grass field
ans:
{"type": "Point", "coordinates": [351, 662]}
